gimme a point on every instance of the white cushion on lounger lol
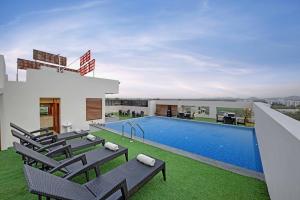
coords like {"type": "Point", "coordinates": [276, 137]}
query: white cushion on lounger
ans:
{"type": "Point", "coordinates": [91, 137]}
{"type": "Point", "coordinates": [146, 160]}
{"type": "Point", "coordinates": [77, 130]}
{"type": "Point", "coordinates": [111, 146]}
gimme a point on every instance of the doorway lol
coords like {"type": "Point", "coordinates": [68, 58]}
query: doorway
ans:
{"type": "Point", "coordinates": [166, 110]}
{"type": "Point", "coordinates": [50, 114]}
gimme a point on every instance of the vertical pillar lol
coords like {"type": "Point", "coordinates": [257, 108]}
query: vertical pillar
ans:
{"type": "Point", "coordinates": [212, 111]}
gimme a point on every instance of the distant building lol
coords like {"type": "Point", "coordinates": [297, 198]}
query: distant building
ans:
{"type": "Point", "coordinates": [284, 102]}
{"type": "Point", "coordinates": [201, 108]}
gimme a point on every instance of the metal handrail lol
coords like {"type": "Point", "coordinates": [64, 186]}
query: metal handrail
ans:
{"type": "Point", "coordinates": [131, 130]}
{"type": "Point", "coordinates": [140, 129]}
{"type": "Point", "coordinates": [133, 125]}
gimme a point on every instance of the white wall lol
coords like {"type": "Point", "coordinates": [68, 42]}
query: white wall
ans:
{"type": "Point", "coordinates": [211, 104]}
{"type": "Point", "coordinates": [1, 117]}
{"type": "Point", "coordinates": [2, 81]}
{"type": "Point", "coordinates": [2, 73]}
{"type": "Point", "coordinates": [21, 99]}
{"type": "Point", "coordinates": [279, 142]}
{"type": "Point", "coordinates": [151, 109]}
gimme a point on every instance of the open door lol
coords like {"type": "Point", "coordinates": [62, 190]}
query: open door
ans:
{"type": "Point", "coordinates": [50, 113]}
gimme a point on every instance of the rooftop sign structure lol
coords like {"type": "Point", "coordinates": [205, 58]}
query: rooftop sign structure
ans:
{"type": "Point", "coordinates": [85, 58]}
{"type": "Point", "coordinates": [49, 57]}
{"type": "Point", "coordinates": [58, 62]}
{"type": "Point", "coordinates": [29, 64]}
{"type": "Point", "coordinates": [90, 66]}
{"type": "Point", "coordinates": [86, 64]}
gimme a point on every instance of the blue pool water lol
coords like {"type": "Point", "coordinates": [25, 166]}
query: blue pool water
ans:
{"type": "Point", "coordinates": [229, 144]}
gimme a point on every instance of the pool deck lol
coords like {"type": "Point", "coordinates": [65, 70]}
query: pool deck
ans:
{"type": "Point", "coordinates": [222, 165]}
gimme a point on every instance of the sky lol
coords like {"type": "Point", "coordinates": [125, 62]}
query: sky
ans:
{"type": "Point", "coordinates": [165, 49]}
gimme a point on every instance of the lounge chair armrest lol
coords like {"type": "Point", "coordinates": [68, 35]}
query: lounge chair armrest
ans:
{"type": "Point", "coordinates": [46, 142]}
{"type": "Point", "coordinates": [47, 137]}
{"type": "Point", "coordinates": [121, 185]}
{"type": "Point", "coordinates": [62, 142]}
{"type": "Point", "coordinates": [66, 149]}
{"type": "Point", "coordinates": [40, 130]}
{"type": "Point", "coordinates": [77, 158]}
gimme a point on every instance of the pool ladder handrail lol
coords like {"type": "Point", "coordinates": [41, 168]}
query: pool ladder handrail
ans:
{"type": "Point", "coordinates": [136, 124]}
{"type": "Point", "coordinates": [133, 129]}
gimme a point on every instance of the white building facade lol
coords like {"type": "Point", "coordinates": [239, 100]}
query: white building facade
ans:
{"type": "Point", "coordinates": [181, 105]}
{"type": "Point", "coordinates": [20, 101]}
{"type": "Point", "coordinates": [211, 105]}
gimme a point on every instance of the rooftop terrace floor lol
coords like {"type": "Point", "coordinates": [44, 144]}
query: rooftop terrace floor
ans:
{"type": "Point", "coordinates": [186, 178]}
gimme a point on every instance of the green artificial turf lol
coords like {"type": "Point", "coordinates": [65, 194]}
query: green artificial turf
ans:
{"type": "Point", "coordinates": [204, 119]}
{"type": "Point", "coordinates": [122, 117]}
{"type": "Point", "coordinates": [186, 178]}
{"type": "Point", "coordinates": [125, 117]}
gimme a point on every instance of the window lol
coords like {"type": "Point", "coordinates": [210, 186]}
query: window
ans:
{"type": "Point", "coordinates": [116, 102]}
{"type": "Point", "coordinates": [112, 102]}
{"type": "Point", "coordinates": [93, 109]}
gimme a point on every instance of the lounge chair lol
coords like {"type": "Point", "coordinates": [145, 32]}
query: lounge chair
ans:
{"type": "Point", "coordinates": [45, 134]}
{"type": "Point", "coordinates": [220, 118]}
{"type": "Point", "coordinates": [75, 144]}
{"type": "Point", "coordinates": [72, 165]}
{"type": "Point", "coordinates": [241, 120]}
{"type": "Point", "coordinates": [133, 114]}
{"type": "Point", "coordinates": [119, 183]}
{"type": "Point", "coordinates": [180, 115]}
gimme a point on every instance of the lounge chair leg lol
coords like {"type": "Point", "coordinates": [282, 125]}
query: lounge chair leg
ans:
{"type": "Point", "coordinates": [97, 171]}
{"type": "Point", "coordinates": [126, 157]}
{"type": "Point", "coordinates": [164, 173]}
{"type": "Point", "coordinates": [25, 160]}
{"type": "Point", "coordinates": [87, 175]}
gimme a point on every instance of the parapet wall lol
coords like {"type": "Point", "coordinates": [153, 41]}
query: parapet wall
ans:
{"type": "Point", "coordinates": [279, 143]}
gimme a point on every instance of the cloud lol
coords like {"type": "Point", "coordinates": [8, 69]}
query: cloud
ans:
{"type": "Point", "coordinates": [158, 59]}
{"type": "Point", "coordinates": [78, 7]}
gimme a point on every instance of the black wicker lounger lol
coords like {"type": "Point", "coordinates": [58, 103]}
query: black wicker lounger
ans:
{"type": "Point", "coordinates": [75, 144]}
{"type": "Point", "coordinates": [72, 165]}
{"type": "Point", "coordinates": [49, 135]}
{"type": "Point", "coordinates": [119, 183]}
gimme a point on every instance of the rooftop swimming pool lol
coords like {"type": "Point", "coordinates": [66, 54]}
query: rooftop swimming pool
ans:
{"type": "Point", "coordinates": [229, 144]}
